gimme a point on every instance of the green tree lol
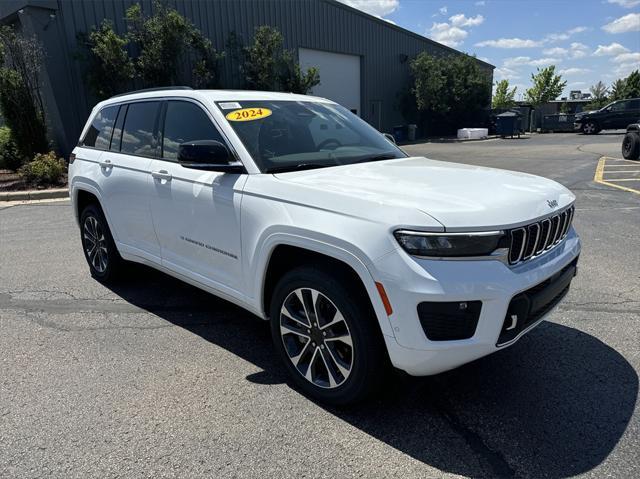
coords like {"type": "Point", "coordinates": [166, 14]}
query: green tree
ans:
{"type": "Point", "coordinates": [547, 86]}
{"type": "Point", "coordinates": [503, 97]}
{"type": "Point", "coordinates": [110, 69]}
{"type": "Point", "coordinates": [600, 96]}
{"type": "Point", "coordinates": [293, 79]}
{"type": "Point", "coordinates": [260, 64]}
{"type": "Point", "coordinates": [564, 107]}
{"type": "Point", "coordinates": [266, 65]}
{"type": "Point", "coordinates": [164, 41]}
{"type": "Point", "coordinates": [451, 90]}
{"type": "Point", "coordinates": [20, 85]}
{"type": "Point", "coordinates": [617, 90]}
{"type": "Point", "coordinates": [632, 85]}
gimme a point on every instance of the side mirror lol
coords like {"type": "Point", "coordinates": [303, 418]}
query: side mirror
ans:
{"type": "Point", "coordinates": [209, 155]}
{"type": "Point", "coordinates": [390, 137]}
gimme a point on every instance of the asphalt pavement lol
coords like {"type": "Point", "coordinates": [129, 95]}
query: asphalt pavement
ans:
{"type": "Point", "coordinates": [154, 378]}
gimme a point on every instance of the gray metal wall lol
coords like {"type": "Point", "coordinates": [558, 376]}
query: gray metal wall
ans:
{"type": "Point", "coordinates": [385, 49]}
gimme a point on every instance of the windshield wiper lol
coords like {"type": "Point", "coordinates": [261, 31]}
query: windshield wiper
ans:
{"type": "Point", "coordinates": [297, 167]}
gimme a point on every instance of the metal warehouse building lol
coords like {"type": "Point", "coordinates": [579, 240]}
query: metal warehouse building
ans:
{"type": "Point", "coordinates": [363, 60]}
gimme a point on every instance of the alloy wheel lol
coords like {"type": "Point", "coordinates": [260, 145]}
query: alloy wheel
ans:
{"type": "Point", "coordinates": [316, 338]}
{"type": "Point", "coordinates": [589, 128]}
{"type": "Point", "coordinates": [95, 244]}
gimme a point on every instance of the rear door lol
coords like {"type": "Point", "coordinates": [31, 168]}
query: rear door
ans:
{"type": "Point", "coordinates": [196, 213]}
{"type": "Point", "coordinates": [126, 183]}
{"type": "Point", "coordinates": [616, 115]}
{"type": "Point", "coordinates": [632, 112]}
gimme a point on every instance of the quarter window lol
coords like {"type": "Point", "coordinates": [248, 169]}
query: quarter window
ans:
{"type": "Point", "coordinates": [139, 135]}
{"type": "Point", "coordinates": [99, 133]}
{"type": "Point", "coordinates": [185, 122]}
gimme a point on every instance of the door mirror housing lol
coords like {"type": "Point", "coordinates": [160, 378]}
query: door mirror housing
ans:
{"type": "Point", "coordinates": [208, 155]}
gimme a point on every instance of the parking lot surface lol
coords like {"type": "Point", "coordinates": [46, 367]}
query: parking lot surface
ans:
{"type": "Point", "coordinates": [153, 378]}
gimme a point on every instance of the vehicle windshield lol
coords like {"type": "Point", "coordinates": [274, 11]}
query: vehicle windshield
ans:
{"type": "Point", "coordinates": [294, 135]}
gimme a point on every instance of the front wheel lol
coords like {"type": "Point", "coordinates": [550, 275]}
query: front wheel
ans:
{"type": "Point", "coordinates": [631, 146]}
{"type": "Point", "coordinates": [590, 128]}
{"type": "Point", "coordinates": [327, 335]}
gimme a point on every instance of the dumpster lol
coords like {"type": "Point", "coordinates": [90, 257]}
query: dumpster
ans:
{"type": "Point", "coordinates": [560, 123]}
{"type": "Point", "coordinates": [411, 132]}
{"type": "Point", "coordinates": [400, 133]}
{"type": "Point", "coordinates": [509, 123]}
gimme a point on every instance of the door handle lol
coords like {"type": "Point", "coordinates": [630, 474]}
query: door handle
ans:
{"type": "Point", "coordinates": [162, 175]}
{"type": "Point", "coordinates": [105, 163]}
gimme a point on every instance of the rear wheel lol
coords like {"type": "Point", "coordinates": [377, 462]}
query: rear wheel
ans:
{"type": "Point", "coordinates": [97, 243]}
{"type": "Point", "coordinates": [590, 128]}
{"type": "Point", "coordinates": [327, 335]}
{"type": "Point", "coordinates": [631, 146]}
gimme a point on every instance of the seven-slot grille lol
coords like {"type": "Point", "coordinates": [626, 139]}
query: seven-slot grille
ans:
{"type": "Point", "coordinates": [536, 238]}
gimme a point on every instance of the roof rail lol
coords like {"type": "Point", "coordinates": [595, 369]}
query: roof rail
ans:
{"type": "Point", "coordinates": [154, 89]}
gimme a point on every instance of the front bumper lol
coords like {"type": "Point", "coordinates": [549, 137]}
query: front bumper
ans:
{"type": "Point", "coordinates": [577, 126]}
{"type": "Point", "coordinates": [409, 281]}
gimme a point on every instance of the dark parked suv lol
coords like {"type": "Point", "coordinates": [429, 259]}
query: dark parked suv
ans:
{"type": "Point", "coordinates": [613, 116]}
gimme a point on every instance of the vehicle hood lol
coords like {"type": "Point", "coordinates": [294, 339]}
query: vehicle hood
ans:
{"type": "Point", "coordinates": [585, 113]}
{"type": "Point", "coordinates": [460, 197]}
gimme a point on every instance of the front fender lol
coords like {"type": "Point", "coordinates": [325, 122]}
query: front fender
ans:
{"type": "Point", "coordinates": [328, 246]}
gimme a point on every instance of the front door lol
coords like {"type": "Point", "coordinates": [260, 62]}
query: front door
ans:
{"type": "Point", "coordinates": [196, 213]}
{"type": "Point", "coordinates": [615, 115]}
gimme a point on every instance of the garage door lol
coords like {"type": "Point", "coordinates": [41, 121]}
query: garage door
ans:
{"type": "Point", "coordinates": [339, 76]}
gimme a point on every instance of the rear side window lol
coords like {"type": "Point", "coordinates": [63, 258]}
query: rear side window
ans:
{"type": "Point", "coordinates": [185, 122]}
{"type": "Point", "coordinates": [99, 133]}
{"type": "Point", "coordinates": [139, 134]}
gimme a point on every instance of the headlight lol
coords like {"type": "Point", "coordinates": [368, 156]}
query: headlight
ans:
{"type": "Point", "coordinates": [419, 243]}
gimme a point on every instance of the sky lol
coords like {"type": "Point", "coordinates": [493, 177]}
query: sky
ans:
{"type": "Point", "coordinates": [587, 40]}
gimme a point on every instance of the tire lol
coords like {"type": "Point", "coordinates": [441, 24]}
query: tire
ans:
{"type": "Point", "coordinates": [105, 263]}
{"type": "Point", "coordinates": [590, 128]}
{"type": "Point", "coordinates": [322, 367]}
{"type": "Point", "coordinates": [631, 146]}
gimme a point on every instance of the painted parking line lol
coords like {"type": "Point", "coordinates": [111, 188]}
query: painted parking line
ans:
{"type": "Point", "coordinates": [606, 175]}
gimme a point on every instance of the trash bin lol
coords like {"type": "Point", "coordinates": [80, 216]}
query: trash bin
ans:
{"type": "Point", "coordinates": [509, 123]}
{"type": "Point", "coordinates": [399, 133]}
{"type": "Point", "coordinates": [411, 132]}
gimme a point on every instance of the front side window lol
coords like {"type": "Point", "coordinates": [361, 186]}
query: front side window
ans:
{"type": "Point", "coordinates": [290, 135]}
{"type": "Point", "coordinates": [620, 106]}
{"type": "Point", "coordinates": [138, 136]}
{"type": "Point", "coordinates": [99, 133]}
{"type": "Point", "coordinates": [186, 122]}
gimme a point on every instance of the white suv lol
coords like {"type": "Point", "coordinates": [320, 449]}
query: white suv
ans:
{"type": "Point", "coordinates": [297, 210]}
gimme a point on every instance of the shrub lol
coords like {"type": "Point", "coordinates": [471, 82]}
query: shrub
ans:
{"type": "Point", "coordinates": [266, 65]}
{"type": "Point", "coordinates": [44, 169]}
{"type": "Point", "coordinates": [451, 91]}
{"type": "Point", "coordinates": [10, 157]}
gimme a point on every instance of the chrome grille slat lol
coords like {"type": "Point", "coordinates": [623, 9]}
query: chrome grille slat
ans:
{"type": "Point", "coordinates": [517, 244]}
{"type": "Point", "coordinates": [545, 229]}
{"type": "Point", "coordinates": [534, 239]}
{"type": "Point", "coordinates": [567, 223]}
{"type": "Point", "coordinates": [533, 231]}
{"type": "Point", "coordinates": [555, 223]}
